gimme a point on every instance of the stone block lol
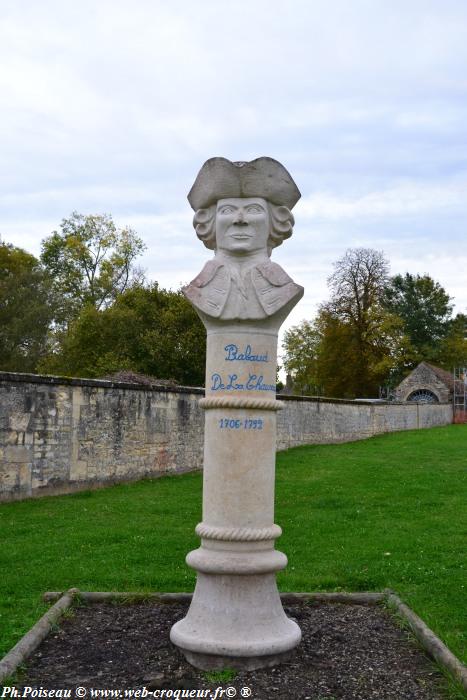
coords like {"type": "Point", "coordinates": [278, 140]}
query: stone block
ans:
{"type": "Point", "coordinates": [19, 421]}
{"type": "Point", "coordinates": [18, 453]}
{"type": "Point", "coordinates": [8, 478]}
{"type": "Point", "coordinates": [10, 438]}
{"type": "Point", "coordinates": [25, 477]}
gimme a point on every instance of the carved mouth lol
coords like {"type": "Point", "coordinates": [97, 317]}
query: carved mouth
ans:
{"type": "Point", "coordinates": [241, 236]}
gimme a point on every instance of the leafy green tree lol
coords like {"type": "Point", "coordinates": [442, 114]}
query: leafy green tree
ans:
{"type": "Point", "coordinates": [27, 306]}
{"type": "Point", "coordinates": [355, 313]}
{"type": "Point", "coordinates": [336, 356]}
{"type": "Point", "coordinates": [91, 262]}
{"type": "Point", "coordinates": [453, 347]}
{"type": "Point", "coordinates": [383, 349]}
{"type": "Point", "coordinates": [301, 346]}
{"type": "Point", "coordinates": [355, 343]}
{"type": "Point", "coordinates": [424, 307]}
{"type": "Point", "coordinates": [320, 356]}
{"type": "Point", "coordinates": [147, 330]}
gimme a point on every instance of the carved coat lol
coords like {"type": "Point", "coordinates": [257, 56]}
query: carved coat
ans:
{"type": "Point", "coordinates": [218, 291]}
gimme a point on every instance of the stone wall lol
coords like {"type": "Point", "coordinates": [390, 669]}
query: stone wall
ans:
{"type": "Point", "coordinates": [58, 435]}
{"type": "Point", "coordinates": [306, 420]}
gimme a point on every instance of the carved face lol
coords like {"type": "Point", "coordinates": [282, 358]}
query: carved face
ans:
{"type": "Point", "coordinates": [242, 225]}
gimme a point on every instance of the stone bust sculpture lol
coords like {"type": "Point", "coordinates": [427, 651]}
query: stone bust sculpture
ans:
{"type": "Point", "coordinates": [242, 211]}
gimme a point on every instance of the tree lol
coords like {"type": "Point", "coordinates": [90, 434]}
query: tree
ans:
{"type": "Point", "coordinates": [453, 347]}
{"type": "Point", "coordinates": [355, 311]}
{"type": "Point", "coordinates": [301, 346]}
{"type": "Point", "coordinates": [355, 343]}
{"type": "Point", "coordinates": [91, 262]}
{"type": "Point", "coordinates": [147, 329]}
{"type": "Point", "coordinates": [336, 356]}
{"type": "Point", "coordinates": [424, 307]}
{"type": "Point", "coordinates": [357, 284]}
{"type": "Point", "coordinates": [27, 306]}
{"type": "Point", "coordinates": [384, 349]}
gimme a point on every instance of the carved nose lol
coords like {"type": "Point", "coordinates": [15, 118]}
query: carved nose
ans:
{"type": "Point", "coordinates": [240, 219]}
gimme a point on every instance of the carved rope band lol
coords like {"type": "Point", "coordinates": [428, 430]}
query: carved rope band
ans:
{"type": "Point", "coordinates": [238, 534]}
{"type": "Point", "coordinates": [237, 402]}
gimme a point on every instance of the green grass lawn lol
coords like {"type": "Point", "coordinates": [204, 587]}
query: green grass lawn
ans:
{"type": "Point", "coordinates": [385, 512]}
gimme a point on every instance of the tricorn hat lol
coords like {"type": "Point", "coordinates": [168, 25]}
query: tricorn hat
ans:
{"type": "Point", "coordinates": [220, 178]}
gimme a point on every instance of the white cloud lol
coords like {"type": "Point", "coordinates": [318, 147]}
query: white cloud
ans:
{"type": "Point", "coordinates": [113, 106]}
{"type": "Point", "coordinates": [406, 198]}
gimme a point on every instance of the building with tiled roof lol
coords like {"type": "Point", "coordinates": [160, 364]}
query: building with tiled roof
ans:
{"type": "Point", "coordinates": [426, 384]}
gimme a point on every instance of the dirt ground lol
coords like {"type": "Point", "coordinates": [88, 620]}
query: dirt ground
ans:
{"type": "Point", "coordinates": [347, 652]}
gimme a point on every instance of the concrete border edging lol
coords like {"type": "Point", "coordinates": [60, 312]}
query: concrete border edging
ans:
{"type": "Point", "coordinates": [429, 641]}
{"type": "Point", "coordinates": [103, 596]}
{"type": "Point", "coordinates": [364, 598]}
{"type": "Point", "coordinates": [433, 646]}
{"type": "Point", "coordinates": [31, 640]}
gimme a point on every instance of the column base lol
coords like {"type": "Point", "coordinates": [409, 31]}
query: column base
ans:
{"type": "Point", "coordinates": [211, 662]}
{"type": "Point", "coordinates": [235, 621]}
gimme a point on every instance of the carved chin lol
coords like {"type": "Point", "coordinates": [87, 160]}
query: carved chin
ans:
{"type": "Point", "coordinates": [239, 245]}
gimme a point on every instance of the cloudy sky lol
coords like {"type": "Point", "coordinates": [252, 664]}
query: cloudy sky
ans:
{"type": "Point", "coordinates": [112, 106]}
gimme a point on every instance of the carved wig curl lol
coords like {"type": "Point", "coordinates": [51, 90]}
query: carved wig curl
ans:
{"type": "Point", "coordinates": [282, 222]}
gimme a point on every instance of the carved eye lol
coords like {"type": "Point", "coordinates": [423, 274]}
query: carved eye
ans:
{"type": "Point", "coordinates": [226, 210]}
{"type": "Point", "coordinates": [254, 209]}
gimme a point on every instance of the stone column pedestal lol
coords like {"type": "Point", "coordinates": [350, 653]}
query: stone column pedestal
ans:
{"type": "Point", "coordinates": [236, 617]}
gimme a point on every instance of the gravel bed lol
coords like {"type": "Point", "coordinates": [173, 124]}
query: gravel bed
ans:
{"type": "Point", "coordinates": [348, 652]}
